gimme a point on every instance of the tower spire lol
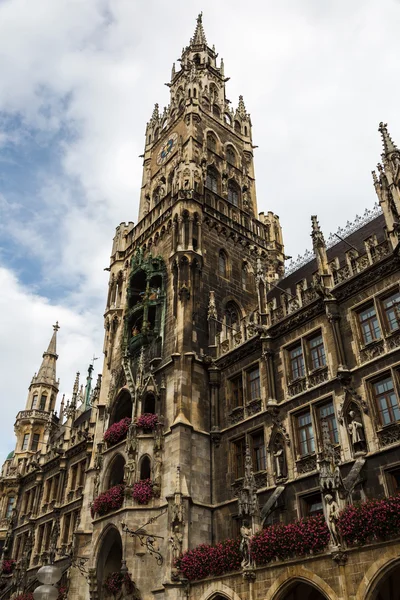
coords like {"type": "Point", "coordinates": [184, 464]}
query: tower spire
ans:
{"type": "Point", "coordinates": [388, 145]}
{"type": "Point", "coordinates": [47, 371]}
{"type": "Point", "coordinates": [199, 36]}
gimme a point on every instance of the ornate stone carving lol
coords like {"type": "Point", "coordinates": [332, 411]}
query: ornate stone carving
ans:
{"type": "Point", "coordinates": [318, 377]}
{"type": "Point", "coordinates": [297, 387]}
{"type": "Point", "coordinates": [372, 351]}
{"type": "Point", "coordinates": [389, 435]}
{"type": "Point", "coordinates": [306, 465]}
{"type": "Point", "coordinates": [236, 415]}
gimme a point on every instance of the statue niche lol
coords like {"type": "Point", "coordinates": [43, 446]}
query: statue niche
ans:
{"type": "Point", "coordinates": [355, 429]}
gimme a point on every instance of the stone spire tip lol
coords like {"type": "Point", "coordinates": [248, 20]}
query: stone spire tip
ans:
{"type": "Point", "coordinates": [388, 144]}
{"type": "Point", "coordinates": [199, 36]}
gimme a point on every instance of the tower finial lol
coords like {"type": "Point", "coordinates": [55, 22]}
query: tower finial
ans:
{"type": "Point", "coordinates": [241, 109]}
{"type": "Point", "coordinates": [199, 36]}
{"type": "Point", "coordinates": [388, 144]}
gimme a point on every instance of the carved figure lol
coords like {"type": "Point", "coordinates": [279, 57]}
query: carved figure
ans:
{"type": "Point", "coordinates": [131, 439]}
{"type": "Point", "coordinates": [96, 486]}
{"type": "Point", "coordinates": [332, 512]}
{"type": "Point", "coordinates": [176, 541]}
{"type": "Point", "coordinates": [245, 533]}
{"type": "Point", "coordinates": [157, 464]}
{"type": "Point", "coordinates": [279, 460]}
{"type": "Point", "coordinates": [129, 472]}
{"type": "Point", "coordinates": [356, 430]}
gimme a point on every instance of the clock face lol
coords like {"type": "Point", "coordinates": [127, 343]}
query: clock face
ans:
{"type": "Point", "coordinates": [167, 148]}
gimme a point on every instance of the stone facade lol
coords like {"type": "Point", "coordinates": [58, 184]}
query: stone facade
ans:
{"type": "Point", "coordinates": [234, 395]}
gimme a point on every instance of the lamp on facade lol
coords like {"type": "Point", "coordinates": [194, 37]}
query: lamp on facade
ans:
{"type": "Point", "coordinates": [48, 576]}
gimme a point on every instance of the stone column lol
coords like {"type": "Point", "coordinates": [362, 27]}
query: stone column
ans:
{"type": "Point", "coordinates": [333, 314]}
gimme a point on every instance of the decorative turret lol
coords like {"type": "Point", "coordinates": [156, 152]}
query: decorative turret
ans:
{"type": "Point", "coordinates": [387, 184]}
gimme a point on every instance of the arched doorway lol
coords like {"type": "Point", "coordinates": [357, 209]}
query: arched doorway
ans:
{"type": "Point", "coordinates": [388, 587]}
{"type": "Point", "coordinates": [299, 590]}
{"type": "Point", "coordinates": [116, 471]}
{"type": "Point", "coordinates": [109, 558]}
{"type": "Point", "coordinates": [122, 407]}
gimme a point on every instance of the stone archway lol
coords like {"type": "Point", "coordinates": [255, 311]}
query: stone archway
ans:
{"type": "Point", "coordinates": [122, 407]}
{"type": "Point", "coordinates": [300, 590]}
{"type": "Point", "coordinates": [386, 583]}
{"type": "Point", "coordinates": [109, 558]}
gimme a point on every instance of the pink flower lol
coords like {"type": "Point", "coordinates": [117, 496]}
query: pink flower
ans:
{"type": "Point", "coordinates": [147, 421]}
{"type": "Point", "coordinates": [110, 500]}
{"type": "Point", "coordinates": [117, 431]}
{"type": "Point", "coordinates": [8, 566]}
{"type": "Point", "coordinates": [142, 491]}
{"type": "Point", "coordinates": [114, 581]}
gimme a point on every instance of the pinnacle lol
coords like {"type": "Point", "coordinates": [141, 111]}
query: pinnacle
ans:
{"type": "Point", "coordinates": [52, 349]}
{"type": "Point", "coordinates": [199, 36]}
{"type": "Point", "coordinates": [387, 141]}
{"type": "Point", "coordinates": [241, 110]}
{"type": "Point", "coordinates": [156, 114]}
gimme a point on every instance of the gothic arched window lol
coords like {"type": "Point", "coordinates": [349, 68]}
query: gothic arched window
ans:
{"type": "Point", "coordinates": [222, 264]}
{"type": "Point", "coordinates": [35, 401]}
{"type": "Point", "coordinates": [233, 193]}
{"type": "Point", "coordinates": [211, 142]}
{"type": "Point", "coordinates": [216, 111]}
{"type": "Point", "coordinates": [231, 319]}
{"type": "Point", "coordinates": [230, 156]}
{"type": "Point", "coordinates": [149, 404]}
{"type": "Point", "coordinates": [43, 401]}
{"type": "Point", "coordinates": [212, 179]}
{"type": "Point", "coordinates": [145, 468]}
{"type": "Point", "coordinates": [237, 127]}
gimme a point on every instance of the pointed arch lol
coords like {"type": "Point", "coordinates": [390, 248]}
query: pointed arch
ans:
{"type": "Point", "coordinates": [376, 576]}
{"type": "Point", "coordinates": [223, 267]}
{"type": "Point", "coordinates": [233, 192]}
{"type": "Point", "coordinates": [145, 467]}
{"type": "Point", "coordinates": [108, 556]}
{"type": "Point", "coordinates": [115, 472]}
{"type": "Point", "coordinates": [212, 179]}
{"type": "Point", "coordinates": [231, 155]}
{"type": "Point", "coordinates": [122, 406]}
{"type": "Point", "coordinates": [219, 590]}
{"type": "Point", "coordinates": [294, 575]}
{"type": "Point", "coordinates": [211, 141]}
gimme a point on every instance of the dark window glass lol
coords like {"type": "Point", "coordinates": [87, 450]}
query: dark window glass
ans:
{"type": "Point", "coordinates": [305, 434]}
{"type": "Point", "coordinates": [394, 481]}
{"type": "Point", "coordinates": [296, 362]}
{"type": "Point", "coordinates": [211, 142]}
{"type": "Point", "coordinates": [35, 401]}
{"type": "Point", "coordinates": [312, 505]}
{"type": "Point", "coordinates": [327, 413]}
{"type": "Point", "coordinates": [391, 307]}
{"type": "Point", "coordinates": [25, 442]}
{"type": "Point", "coordinates": [43, 401]}
{"type": "Point", "coordinates": [259, 453]}
{"type": "Point", "coordinates": [369, 324]}
{"type": "Point", "coordinates": [212, 181]}
{"type": "Point", "coordinates": [317, 352]}
{"type": "Point", "coordinates": [10, 506]}
{"type": "Point", "coordinates": [222, 264]}
{"type": "Point", "coordinates": [239, 450]}
{"type": "Point", "coordinates": [233, 194]}
{"type": "Point", "coordinates": [230, 156]}
{"type": "Point", "coordinates": [35, 442]}
{"type": "Point", "coordinates": [253, 384]}
{"type": "Point", "coordinates": [237, 391]}
{"type": "Point", "coordinates": [386, 400]}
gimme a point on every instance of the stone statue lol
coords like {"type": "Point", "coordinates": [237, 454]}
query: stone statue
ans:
{"type": "Point", "coordinates": [131, 440]}
{"type": "Point", "coordinates": [157, 464]}
{"type": "Point", "coordinates": [279, 460]}
{"type": "Point", "coordinates": [176, 541]}
{"type": "Point", "coordinates": [356, 430]}
{"type": "Point", "coordinates": [332, 513]}
{"type": "Point", "coordinates": [96, 486]}
{"type": "Point", "coordinates": [129, 472]}
{"type": "Point", "coordinates": [245, 533]}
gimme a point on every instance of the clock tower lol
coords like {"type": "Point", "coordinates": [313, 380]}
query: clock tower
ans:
{"type": "Point", "coordinates": [187, 283]}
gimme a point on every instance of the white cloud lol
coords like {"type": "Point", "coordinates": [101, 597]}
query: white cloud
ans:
{"type": "Point", "coordinates": [317, 78]}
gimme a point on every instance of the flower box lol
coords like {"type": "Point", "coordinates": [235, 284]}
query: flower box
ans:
{"type": "Point", "coordinates": [117, 431]}
{"type": "Point", "coordinates": [25, 596]}
{"type": "Point", "coordinates": [8, 566]}
{"type": "Point", "coordinates": [110, 500]}
{"type": "Point", "coordinates": [147, 421]}
{"type": "Point", "coordinates": [205, 561]}
{"type": "Point", "coordinates": [142, 491]}
{"type": "Point", "coordinates": [374, 519]}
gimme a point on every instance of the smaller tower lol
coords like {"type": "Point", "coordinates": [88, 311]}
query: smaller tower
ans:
{"type": "Point", "coordinates": [30, 423]}
{"type": "Point", "coordinates": [387, 184]}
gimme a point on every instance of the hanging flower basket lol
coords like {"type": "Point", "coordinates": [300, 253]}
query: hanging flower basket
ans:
{"type": "Point", "coordinates": [8, 566]}
{"type": "Point", "coordinates": [117, 431]}
{"type": "Point", "coordinates": [143, 491]}
{"type": "Point", "coordinates": [147, 421]}
{"type": "Point", "coordinates": [114, 582]}
{"type": "Point", "coordinates": [110, 500]}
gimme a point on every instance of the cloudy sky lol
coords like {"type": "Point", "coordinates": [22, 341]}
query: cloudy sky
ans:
{"type": "Point", "coordinates": [78, 82]}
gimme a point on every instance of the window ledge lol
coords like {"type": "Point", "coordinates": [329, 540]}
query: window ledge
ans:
{"type": "Point", "coordinates": [306, 464]}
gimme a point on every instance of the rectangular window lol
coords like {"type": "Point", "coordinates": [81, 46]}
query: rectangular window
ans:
{"type": "Point", "coordinates": [35, 442]}
{"type": "Point", "coordinates": [386, 401]}
{"type": "Point", "coordinates": [25, 442]}
{"type": "Point", "coordinates": [393, 480]}
{"type": "Point", "coordinates": [391, 309]}
{"type": "Point", "coordinates": [237, 391]}
{"type": "Point", "coordinates": [239, 451]}
{"type": "Point", "coordinates": [296, 362]}
{"type": "Point", "coordinates": [259, 452]}
{"type": "Point", "coordinates": [305, 434]}
{"type": "Point", "coordinates": [253, 384]}
{"type": "Point", "coordinates": [327, 413]}
{"type": "Point", "coordinates": [67, 523]}
{"type": "Point", "coordinates": [43, 402]}
{"type": "Point", "coordinates": [317, 352]}
{"type": "Point", "coordinates": [10, 506]}
{"type": "Point", "coordinates": [312, 505]}
{"type": "Point", "coordinates": [369, 324]}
